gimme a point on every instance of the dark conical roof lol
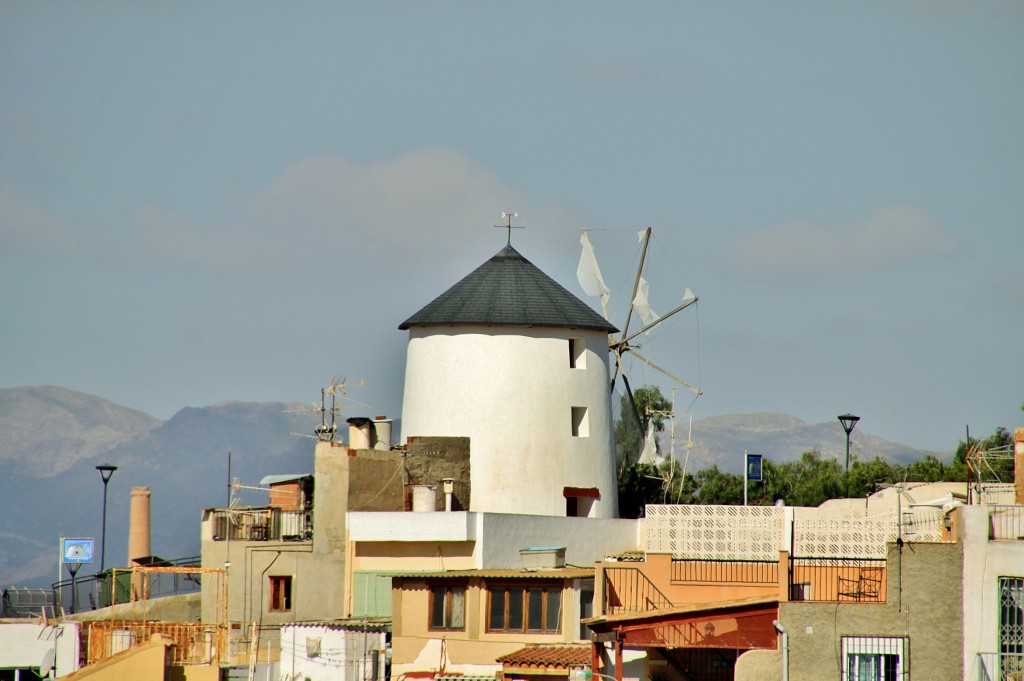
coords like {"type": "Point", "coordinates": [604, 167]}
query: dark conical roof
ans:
{"type": "Point", "coordinates": [508, 290]}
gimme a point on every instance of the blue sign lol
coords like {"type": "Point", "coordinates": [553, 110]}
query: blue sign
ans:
{"type": "Point", "coordinates": [754, 467]}
{"type": "Point", "coordinates": [78, 550]}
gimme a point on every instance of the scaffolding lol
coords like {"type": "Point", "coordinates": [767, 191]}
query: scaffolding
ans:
{"type": "Point", "coordinates": [192, 642]}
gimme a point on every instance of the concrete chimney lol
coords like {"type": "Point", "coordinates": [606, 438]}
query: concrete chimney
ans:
{"type": "Point", "coordinates": [138, 528]}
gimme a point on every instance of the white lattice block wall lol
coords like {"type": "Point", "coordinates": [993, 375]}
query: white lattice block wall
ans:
{"type": "Point", "coordinates": [843, 533]}
{"type": "Point", "coordinates": [715, 532]}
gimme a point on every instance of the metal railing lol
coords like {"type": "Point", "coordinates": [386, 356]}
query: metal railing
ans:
{"type": "Point", "coordinates": [1006, 522]}
{"type": "Point", "coordinates": [1000, 667]}
{"type": "Point", "coordinates": [117, 585]}
{"type": "Point", "coordinates": [810, 579]}
{"type": "Point", "coordinates": [261, 524]}
{"type": "Point", "coordinates": [18, 602]}
{"type": "Point", "coordinates": [725, 571]}
{"type": "Point", "coordinates": [837, 580]}
{"type": "Point", "coordinates": [629, 590]}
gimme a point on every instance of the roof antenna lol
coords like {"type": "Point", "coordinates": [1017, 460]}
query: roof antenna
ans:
{"type": "Point", "coordinates": [507, 217]}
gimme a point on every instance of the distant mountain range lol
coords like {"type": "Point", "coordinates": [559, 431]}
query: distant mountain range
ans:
{"type": "Point", "coordinates": [52, 438]}
{"type": "Point", "coordinates": [721, 441]}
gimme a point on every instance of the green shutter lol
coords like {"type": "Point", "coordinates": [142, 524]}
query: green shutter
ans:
{"type": "Point", "coordinates": [371, 594]}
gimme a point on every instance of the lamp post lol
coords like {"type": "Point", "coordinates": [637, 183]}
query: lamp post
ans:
{"type": "Point", "coordinates": [848, 422]}
{"type": "Point", "coordinates": [106, 470]}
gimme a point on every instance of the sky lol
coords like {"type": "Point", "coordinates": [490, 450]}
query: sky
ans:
{"type": "Point", "coordinates": [237, 201]}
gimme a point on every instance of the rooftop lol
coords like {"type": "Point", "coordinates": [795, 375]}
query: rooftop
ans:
{"type": "Point", "coordinates": [548, 656]}
{"type": "Point", "coordinates": [508, 290]}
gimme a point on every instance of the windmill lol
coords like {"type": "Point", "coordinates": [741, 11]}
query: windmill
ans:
{"type": "Point", "coordinates": [589, 275]}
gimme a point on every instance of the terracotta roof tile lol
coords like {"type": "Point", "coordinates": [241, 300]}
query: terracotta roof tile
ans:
{"type": "Point", "coordinates": [548, 656]}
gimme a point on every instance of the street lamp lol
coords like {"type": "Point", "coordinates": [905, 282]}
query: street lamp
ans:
{"type": "Point", "coordinates": [106, 470]}
{"type": "Point", "coordinates": [848, 422]}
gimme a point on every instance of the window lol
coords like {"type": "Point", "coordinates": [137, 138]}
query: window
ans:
{"type": "Point", "coordinates": [281, 592]}
{"type": "Point", "coordinates": [586, 607]}
{"type": "Point", "coordinates": [532, 608]}
{"type": "Point", "coordinates": [371, 594]}
{"type": "Point", "coordinates": [580, 425]}
{"type": "Point", "coordinates": [1011, 615]}
{"type": "Point", "coordinates": [579, 501]}
{"type": "Point", "coordinates": [447, 607]}
{"type": "Point", "coordinates": [873, 658]}
{"type": "Point", "coordinates": [800, 591]}
{"type": "Point", "coordinates": [577, 353]}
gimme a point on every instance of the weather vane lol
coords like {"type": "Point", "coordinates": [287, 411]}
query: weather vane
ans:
{"type": "Point", "coordinates": [507, 217]}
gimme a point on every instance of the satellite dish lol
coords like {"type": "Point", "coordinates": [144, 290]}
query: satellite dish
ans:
{"type": "Point", "coordinates": [46, 666]}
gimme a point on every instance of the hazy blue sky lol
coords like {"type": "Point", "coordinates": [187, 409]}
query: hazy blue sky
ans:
{"type": "Point", "coordinates": [210, 201]}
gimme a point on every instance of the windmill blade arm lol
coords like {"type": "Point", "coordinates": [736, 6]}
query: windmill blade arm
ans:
{"type": "Point", "coordinates": [618, 366]}
{"type": "Point", "coordinates": [659, 320]}
{"type": "Point", "coordinates": [646, 238]}
{"type": "Point", "coordinates": [695, 391]}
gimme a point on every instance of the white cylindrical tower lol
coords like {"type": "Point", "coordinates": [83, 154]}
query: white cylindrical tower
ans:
{"type": "Point", "coordinates": [514, 361]}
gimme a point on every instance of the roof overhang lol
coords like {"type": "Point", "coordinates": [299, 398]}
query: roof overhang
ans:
{"type": "Point", "coordinates": [741, 625]}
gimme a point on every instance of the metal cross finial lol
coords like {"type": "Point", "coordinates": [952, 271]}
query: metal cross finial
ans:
{"type": "Point", "coordinates": [507, 217]}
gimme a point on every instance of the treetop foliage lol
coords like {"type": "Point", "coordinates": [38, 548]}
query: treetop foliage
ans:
{"type": "Point", "coordinates": [809, 481]}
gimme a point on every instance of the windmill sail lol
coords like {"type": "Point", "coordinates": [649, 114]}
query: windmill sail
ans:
{"type": "Point", "coordinates": [589, 274]}
{"type": "Point", "coordinates": [642, 305]}
{"type": "Point", "coordinates": [649, 454]}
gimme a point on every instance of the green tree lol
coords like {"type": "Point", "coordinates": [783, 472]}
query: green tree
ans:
{"type": "Point", "coordinates": [867, 477]}
{"type": "Point", "coordinates": [651, 407]}
{"type": "Point", "coordinates": [717, 487]}
{"type": "Point", "coordinates": [998, 469]}
{"type": "Point", "coordinates": [639, 484]}
{"type": "Point", "coordinates": [814, 480]}
{"type": "Point", "coordinates": [930, 469]}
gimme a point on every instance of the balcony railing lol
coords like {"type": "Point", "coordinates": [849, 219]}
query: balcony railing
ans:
{"type": "Point", "coordinates": [261, 524]}
{"type": "Point", "coordinates": [1000, 667]}
{"type": "Point", "coordinates": [837, 580]}
{"type": "Point", "coordinates": [629, 590]}
{"type": "Point", "coordinates": [15, 602]}
{"type": "Point", "coordinates": [725, 572]}
{"type": "Point", "coordinates": [1006, 522]}
{"type": "Point", "coordinates": [810, 579]}
{"type": "Point", "coordinates": [115, 586]}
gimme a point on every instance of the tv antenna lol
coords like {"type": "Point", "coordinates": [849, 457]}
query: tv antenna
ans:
{"type": "Point", "coordinates": [326, 431]}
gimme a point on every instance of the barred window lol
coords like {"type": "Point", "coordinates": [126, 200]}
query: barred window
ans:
{"type": "Point", "coordinates": [1011, 615]}
{"type": "Point", "coordinates": [874, 658]}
